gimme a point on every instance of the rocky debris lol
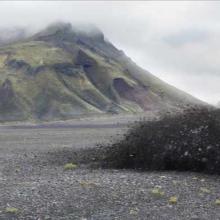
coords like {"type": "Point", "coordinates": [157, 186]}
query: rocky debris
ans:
{"type": "Point", "coordinates": [135, 93]}
{"type": "Point", "coordinates": [9, 103]}
{"type": "Point", "coordinates": [22, 65]}
{"type": "Point", "coordinates": [66, 69]}
{"type": "Point", "coordinates": [17, 64]}
{"type": "Point", "coordinates": [6, 92]}
{"type": "Point", "coordinates": [188, 141]}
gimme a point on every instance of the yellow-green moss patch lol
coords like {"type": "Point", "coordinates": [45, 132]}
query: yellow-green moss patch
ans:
{"type": "Point", "coordinates": [70, 166]}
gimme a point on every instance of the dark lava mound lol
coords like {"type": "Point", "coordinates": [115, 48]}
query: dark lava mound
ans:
{"type": "Point", "coordinates": [184, 142]}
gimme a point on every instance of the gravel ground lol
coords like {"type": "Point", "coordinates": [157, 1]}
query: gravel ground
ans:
{"type": "Point", "coordinates": [33, 180]}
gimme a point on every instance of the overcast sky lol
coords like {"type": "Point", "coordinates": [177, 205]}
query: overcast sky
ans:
{"type": "Point", "coordinates": [177, 41]}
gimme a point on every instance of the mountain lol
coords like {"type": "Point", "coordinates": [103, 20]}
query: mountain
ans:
{"type": "Point", "coordinates": [64, 71]}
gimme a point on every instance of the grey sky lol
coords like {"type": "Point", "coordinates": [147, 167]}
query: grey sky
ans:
{"type": "Point", "coordinates": [177, 41]}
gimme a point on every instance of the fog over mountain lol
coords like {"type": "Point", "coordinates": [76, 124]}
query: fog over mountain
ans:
{"type": "Point", "coordinates": [177, 41]}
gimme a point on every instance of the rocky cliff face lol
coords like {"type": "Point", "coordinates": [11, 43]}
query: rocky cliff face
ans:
{"type": "Point", "coordinates": [64, 71]}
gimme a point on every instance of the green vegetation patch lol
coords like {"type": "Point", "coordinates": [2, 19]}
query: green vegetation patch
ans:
{"type": "Point", "coordinates": [70, 166]}
{"type": "Point", "coordinates": [38, 53]}
{"type": "Point", "coordinates": [11, 210]}
{"type": "Point", "coordinates": [157, 192]}
{"type": "Point", "coordinates": [217, 202]}
{"type": "Point", "coordinates": [173, 200]}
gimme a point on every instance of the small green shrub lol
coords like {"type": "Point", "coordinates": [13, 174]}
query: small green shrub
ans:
{"type": "Point", "coordinates": [70, 166]}
{"type": "Point", "coordinates": [205, 190]}
{"type": "Point", "coordinates": [173, 200]}
{"type": "Point", "coordinates": [217, 202]}
{"type": "Point", "coordinates": [11, 210]}
{"type": "Point", "coordinates": [157, 192]}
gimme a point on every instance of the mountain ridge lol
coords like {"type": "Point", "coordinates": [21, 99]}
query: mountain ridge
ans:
{"type": "Point", "coordinates": [64, 71]}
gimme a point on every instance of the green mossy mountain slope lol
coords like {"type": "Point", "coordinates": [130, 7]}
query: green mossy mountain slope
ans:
{"type": "Point", "coordinates": [64, 71]}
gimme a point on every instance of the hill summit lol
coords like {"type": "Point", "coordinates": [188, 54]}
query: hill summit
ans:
{"type": "Point", "coordinates": [64, 71]}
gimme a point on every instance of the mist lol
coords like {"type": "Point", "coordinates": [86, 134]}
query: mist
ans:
{"type": "Point", "coordinates": [176, 41]}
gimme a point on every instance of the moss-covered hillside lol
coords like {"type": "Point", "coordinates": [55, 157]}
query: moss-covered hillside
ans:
{"type": "Point", "coordinates": [63, 72]}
